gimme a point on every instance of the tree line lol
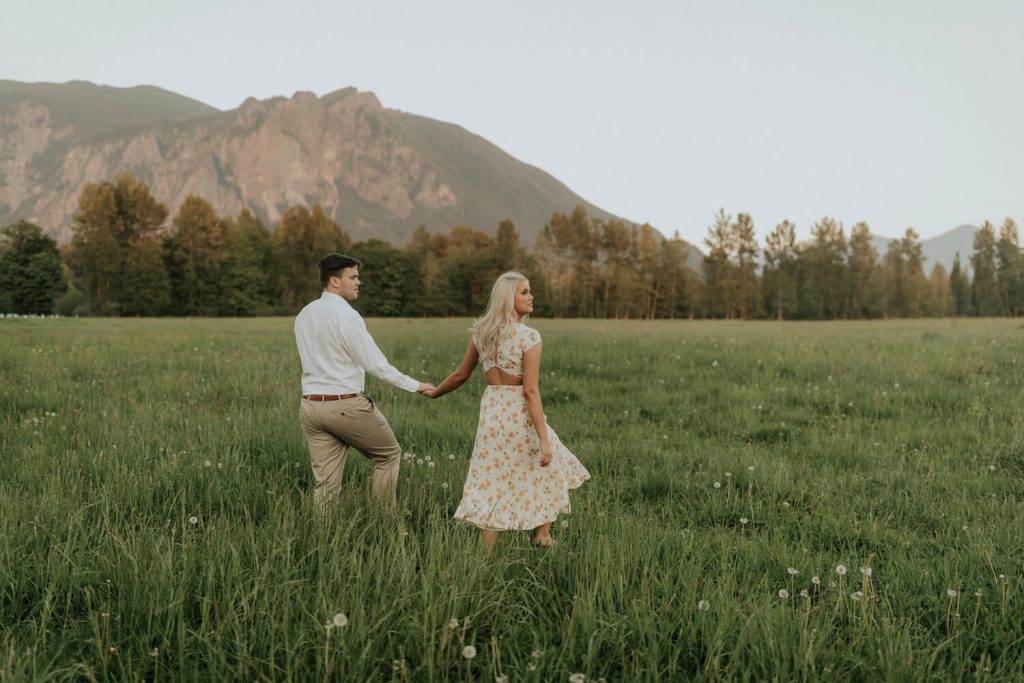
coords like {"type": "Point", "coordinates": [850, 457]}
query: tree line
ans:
{"type": "Point", "coordinates": [126, 259]}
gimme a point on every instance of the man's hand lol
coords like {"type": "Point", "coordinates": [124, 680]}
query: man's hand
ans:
{"type": "Point", "coordinates": [427, 389]}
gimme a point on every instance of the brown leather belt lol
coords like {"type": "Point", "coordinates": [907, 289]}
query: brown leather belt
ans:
{"type": "Point", "coordinates": [322, 397]}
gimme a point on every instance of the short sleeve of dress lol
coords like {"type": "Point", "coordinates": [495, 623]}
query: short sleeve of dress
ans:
{"type": "Point", "coordinates": [532, 338]}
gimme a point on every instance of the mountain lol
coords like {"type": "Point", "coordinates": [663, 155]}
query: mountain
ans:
{"type": "Point", "coordinates": [941, 248]}
{"type": "Point", "coordinates": [378, 171]}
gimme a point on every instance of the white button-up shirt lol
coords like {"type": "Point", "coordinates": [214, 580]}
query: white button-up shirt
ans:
{"type": "Point", "coordinates": [337, 350]}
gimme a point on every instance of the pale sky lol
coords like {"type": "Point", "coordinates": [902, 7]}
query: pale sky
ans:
{"type": "Point", "coordinates": [897, 113]}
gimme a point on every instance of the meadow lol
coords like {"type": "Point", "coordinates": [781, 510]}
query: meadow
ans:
{"type": "Point", "coordinates": [796, 501]}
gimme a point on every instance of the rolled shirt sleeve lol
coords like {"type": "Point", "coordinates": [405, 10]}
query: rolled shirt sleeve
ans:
{"type": "Point", "coordinates": [360, 345]}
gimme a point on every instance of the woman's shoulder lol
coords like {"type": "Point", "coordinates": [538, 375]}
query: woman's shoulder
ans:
{"type": "Point", "coordinates": [527, 334]}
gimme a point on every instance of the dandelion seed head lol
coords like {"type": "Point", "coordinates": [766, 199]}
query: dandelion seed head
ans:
{"type": "Point", "coordinates": [469, 652]}
{"type": "Point", "coordinates": [952, 592]}
{"type": "Point", "coordinates": [703, 605]}
{"type": "Point", "coordinates": [841, 569]}
{"type": "Point", "coordinates": [564, 524]}
{"type": "Point", "coordinates": [856, 595]}
{"type": "Point", "coordinates": [193, 520]}
{"type": "Point", "coordinates": [743, 520]}
{"type": "Point", "coordinates": [866, 571]}
{"type": "Point", "coordinates": [783, 594]}
{"type": "Point", "coordinates": [816, 580]}
{"type": "Point", "coordinates": [717, 484]}
{"type": "Point", "coordinates": [453, 623]}
{"type": "Point", "coordinates": [577, 678]}
{"type": "Point", "coordinates": [340, 620]}
{"type": "Point", "coordinates": [804, 593]}
{"type": "Point", "coordinates": [792, 571]}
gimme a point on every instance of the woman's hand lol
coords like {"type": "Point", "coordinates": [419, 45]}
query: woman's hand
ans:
{"type": "Point", "coordinates": [545, 454]}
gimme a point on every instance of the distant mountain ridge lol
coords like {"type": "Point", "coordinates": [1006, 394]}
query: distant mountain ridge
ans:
{"type": "Point", "coordinates": [380, 172]}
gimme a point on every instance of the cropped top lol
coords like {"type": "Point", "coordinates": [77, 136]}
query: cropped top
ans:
{"type": "Point", "coordinates": [515, 339]}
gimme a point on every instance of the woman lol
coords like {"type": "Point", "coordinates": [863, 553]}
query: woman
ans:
{"type": "Point", "coordinates": [520, 473]}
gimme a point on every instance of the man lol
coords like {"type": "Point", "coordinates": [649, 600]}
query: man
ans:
{"type": "Point", "coordinates": [336, 352]}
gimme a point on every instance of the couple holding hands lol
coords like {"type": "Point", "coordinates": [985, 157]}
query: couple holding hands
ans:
{"type": "Point", "coordinates": [520, 473]}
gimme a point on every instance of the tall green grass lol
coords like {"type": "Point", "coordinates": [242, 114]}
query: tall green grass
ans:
{"type": "Point", "coordinates": [156, 519]}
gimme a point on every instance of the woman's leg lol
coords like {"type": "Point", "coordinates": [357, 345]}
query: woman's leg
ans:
{"type": "Point", "coordinates": [543, 537]}
{"type": "Point", "coordinates": [490, 538]}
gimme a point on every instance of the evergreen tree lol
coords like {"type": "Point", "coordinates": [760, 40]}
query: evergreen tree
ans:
{"type": "Point", "coordinates": [250, 279]}
{"type": "Point", "coordinates": [146, 288]}
{"type": "Point", "coordinates": [1009, 267]}
{"type": "Point", "coordinates": [780, 271]}
{"type": "Point", "coordinates": [677, 279]}
{"type": "Point", "coordinates": [960, 288]}
{"type": "Point", "coordinates": [985, 285]}
{"type": "Point", "coordinates": [823, 265]}
{"type": "Point", "coordinates": [509, 253]}
{"type": "Point", "coordinates": [648, 259]}
{"type": "Point", "coordinates": [31, 274]}
{"type": "Point", "coordinates": [718, 268]}
{"type": "Point", "coordinates": [864, 279]}
{"type": "Point", "coordinates": [939, 303]}
{"type": "Point", "coordinates": [380, 291]}
{"type": "Point", "coordinates": [197, 254]}
{"type": "Point", "coordinates": [915, 285]}
{"type": "Point", "coordinates": [745, 250]}
{"type": "Point", "coordinates": [620, 279]}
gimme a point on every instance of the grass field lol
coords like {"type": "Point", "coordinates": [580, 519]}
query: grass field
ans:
{"type": "Point", "coordinates": [156, 519]}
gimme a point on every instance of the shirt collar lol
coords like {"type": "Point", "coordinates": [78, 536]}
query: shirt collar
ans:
{"type": "Point", "coordinates": [335, 300]}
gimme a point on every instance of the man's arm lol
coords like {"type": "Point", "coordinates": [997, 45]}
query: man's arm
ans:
{"type": "Point", "coordinates": [357, 341]}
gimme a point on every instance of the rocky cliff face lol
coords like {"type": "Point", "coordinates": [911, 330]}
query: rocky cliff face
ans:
{"type": "Point", "coordinates": [379, 172]}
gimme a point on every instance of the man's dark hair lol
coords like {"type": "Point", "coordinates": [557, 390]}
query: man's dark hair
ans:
{"type": "Point", "coordinates": [332, 265]}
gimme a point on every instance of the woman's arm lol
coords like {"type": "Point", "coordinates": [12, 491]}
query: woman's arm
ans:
{"type": "Point", "coordinates": [459, 376]}
{"type": "Point", "coordinates": [531, 391]}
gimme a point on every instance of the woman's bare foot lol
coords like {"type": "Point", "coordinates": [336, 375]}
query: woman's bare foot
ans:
{"type": "Point", "coordinates": [544, 541]}
{"type": "Point", "coordinates": [543, 538]}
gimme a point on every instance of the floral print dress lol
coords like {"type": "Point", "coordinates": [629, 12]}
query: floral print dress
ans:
{"type": "Point", "coordinates": [506, 488]}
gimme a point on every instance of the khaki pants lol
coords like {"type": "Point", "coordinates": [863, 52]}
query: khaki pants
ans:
{"type": "Point", "coordinates": [331, 427]}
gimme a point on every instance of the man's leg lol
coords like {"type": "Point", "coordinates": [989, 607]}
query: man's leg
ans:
{"type": "Point", "coordinates": [359, 424]}
{"type": "Point", "coordinates": [326, 453]}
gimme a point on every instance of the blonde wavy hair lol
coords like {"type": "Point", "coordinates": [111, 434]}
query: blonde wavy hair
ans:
{"type": "Point", "coordinates": [500, 313]}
